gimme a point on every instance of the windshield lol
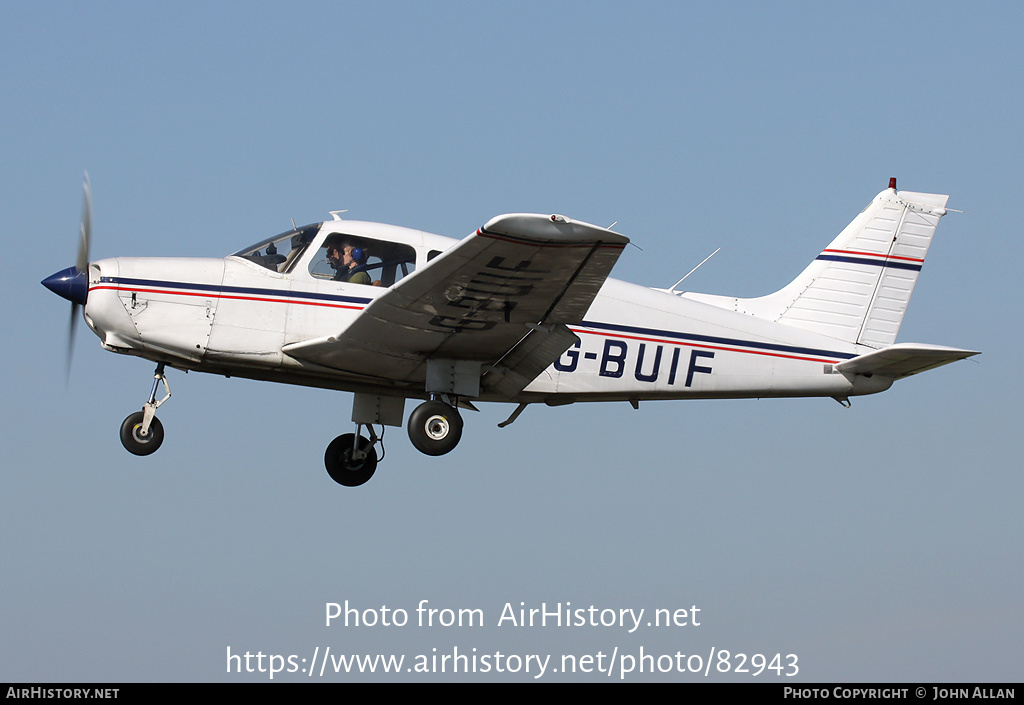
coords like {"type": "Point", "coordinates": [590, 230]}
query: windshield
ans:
{"type": "Point", "coordinates": [279, 253]}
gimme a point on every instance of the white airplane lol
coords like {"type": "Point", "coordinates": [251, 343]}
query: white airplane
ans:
{"type": "Point", "coordinates": [520, 311]}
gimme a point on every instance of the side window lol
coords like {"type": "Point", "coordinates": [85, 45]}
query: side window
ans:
{"type": "Point", "coordinates": [358, 260]}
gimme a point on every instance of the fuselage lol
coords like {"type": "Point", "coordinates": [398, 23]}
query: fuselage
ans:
{"type": "Point", "coordinates": [233, 316]}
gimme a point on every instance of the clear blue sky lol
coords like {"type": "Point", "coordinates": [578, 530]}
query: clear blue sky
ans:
{"type": "Point", "coordinates": [878, 543]}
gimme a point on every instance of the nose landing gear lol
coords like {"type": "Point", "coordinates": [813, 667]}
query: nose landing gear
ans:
{"type": "Point", "coordinates": [142, 433]}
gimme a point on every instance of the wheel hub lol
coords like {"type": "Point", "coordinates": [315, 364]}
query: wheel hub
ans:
{"type": "Point", "coordinates": [437, 428]}
{"type": "Point", "coordinates": [350, 463]}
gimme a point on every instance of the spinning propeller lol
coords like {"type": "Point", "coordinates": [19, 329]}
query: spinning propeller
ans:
{"type": "Point", "coordinates": [73, 283]}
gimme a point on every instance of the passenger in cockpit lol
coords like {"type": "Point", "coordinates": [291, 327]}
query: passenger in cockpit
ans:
{"type": "Point", "coordinates": [349, 263]}
{"type": "Point", "coordinates": [355, 258]}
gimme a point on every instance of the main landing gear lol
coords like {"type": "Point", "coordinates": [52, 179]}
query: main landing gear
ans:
{"type": "Point", "coordinates": [435, 428]}
{"type": "Point", "coordinates": [351, 459]}
{"type": "Point", "coordinates": [142, 433]}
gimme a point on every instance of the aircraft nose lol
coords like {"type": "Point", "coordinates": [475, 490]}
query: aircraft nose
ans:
{"type": "Point", "coordinates": [71, 284]}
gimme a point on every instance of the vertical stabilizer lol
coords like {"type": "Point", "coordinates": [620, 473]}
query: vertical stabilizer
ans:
{"type": "Point", "coordinates": [858, 288]}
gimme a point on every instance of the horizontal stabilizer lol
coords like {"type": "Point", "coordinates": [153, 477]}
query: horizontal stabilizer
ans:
{"type": "Point", "coordinates": [903, 360]}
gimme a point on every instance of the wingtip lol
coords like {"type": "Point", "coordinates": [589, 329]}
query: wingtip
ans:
{"type": "Point", "coordinates": [551, 228]}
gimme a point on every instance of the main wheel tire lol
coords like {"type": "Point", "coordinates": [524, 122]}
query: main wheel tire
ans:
{"type": "Point", "coordinates": [340, 465]}
{"type": "Point", "coordinates": [133, 440]}
{"type": "Point", "coordinates": [435, 428]}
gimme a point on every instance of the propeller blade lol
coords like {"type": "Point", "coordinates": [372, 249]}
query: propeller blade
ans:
{"type": "Point", "coordinates": [72, 325]}
{"type": "Point", "coordinates": [81, 267]}
{"type": "Point", "coordinates": [85, 228]}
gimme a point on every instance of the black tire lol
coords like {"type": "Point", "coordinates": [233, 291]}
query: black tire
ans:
{"type": "Point", "coordinates": [137, 444]}
{"type": "Point", "coordinates": [435, 428]}
{"type": "Point", "coordinates": [341, 467]}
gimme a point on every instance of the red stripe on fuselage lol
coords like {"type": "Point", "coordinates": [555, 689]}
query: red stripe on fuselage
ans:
{"type": "Point", "coordinates": [208, 295]}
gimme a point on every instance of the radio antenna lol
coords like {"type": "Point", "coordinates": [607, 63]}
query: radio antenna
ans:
{"type": "Point", "coordinates": [673, 289]}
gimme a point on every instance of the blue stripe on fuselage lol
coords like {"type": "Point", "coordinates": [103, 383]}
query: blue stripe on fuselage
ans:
{"type": "Point", "coordinates": [711, 339]}
{"type": "Point", "coordinates": [243, 290]}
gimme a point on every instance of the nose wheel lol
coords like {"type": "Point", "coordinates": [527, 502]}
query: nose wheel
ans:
{"type": "Point", "coordinates": [142, 433]}
{"type": "Point", "coordinates": [139, 442]}
{"type": "Point", "coordinates": [435, 428]}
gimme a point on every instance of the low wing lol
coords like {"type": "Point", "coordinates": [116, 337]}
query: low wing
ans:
{"type": "Point", "coordinates": [903, 360]}
{"type": "Point", "coordinates": [502, 297]}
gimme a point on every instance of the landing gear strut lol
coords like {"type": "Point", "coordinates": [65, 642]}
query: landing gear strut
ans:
{"type": "Point", "coordinates": [351, 459]}
{"type": "Point", "coordinates": [142, 433]}
{"type": "Point", "coordinates": [435, 427]}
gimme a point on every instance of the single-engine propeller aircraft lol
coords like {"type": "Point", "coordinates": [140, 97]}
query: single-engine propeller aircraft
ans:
{"type": "Point", "coordinates": [521, 311]}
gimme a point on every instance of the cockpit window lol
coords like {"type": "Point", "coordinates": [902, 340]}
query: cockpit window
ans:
{"type": "Point", "coordinates": [279, 253]}
{"type": "Point", "coordinates": [359, 260]}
